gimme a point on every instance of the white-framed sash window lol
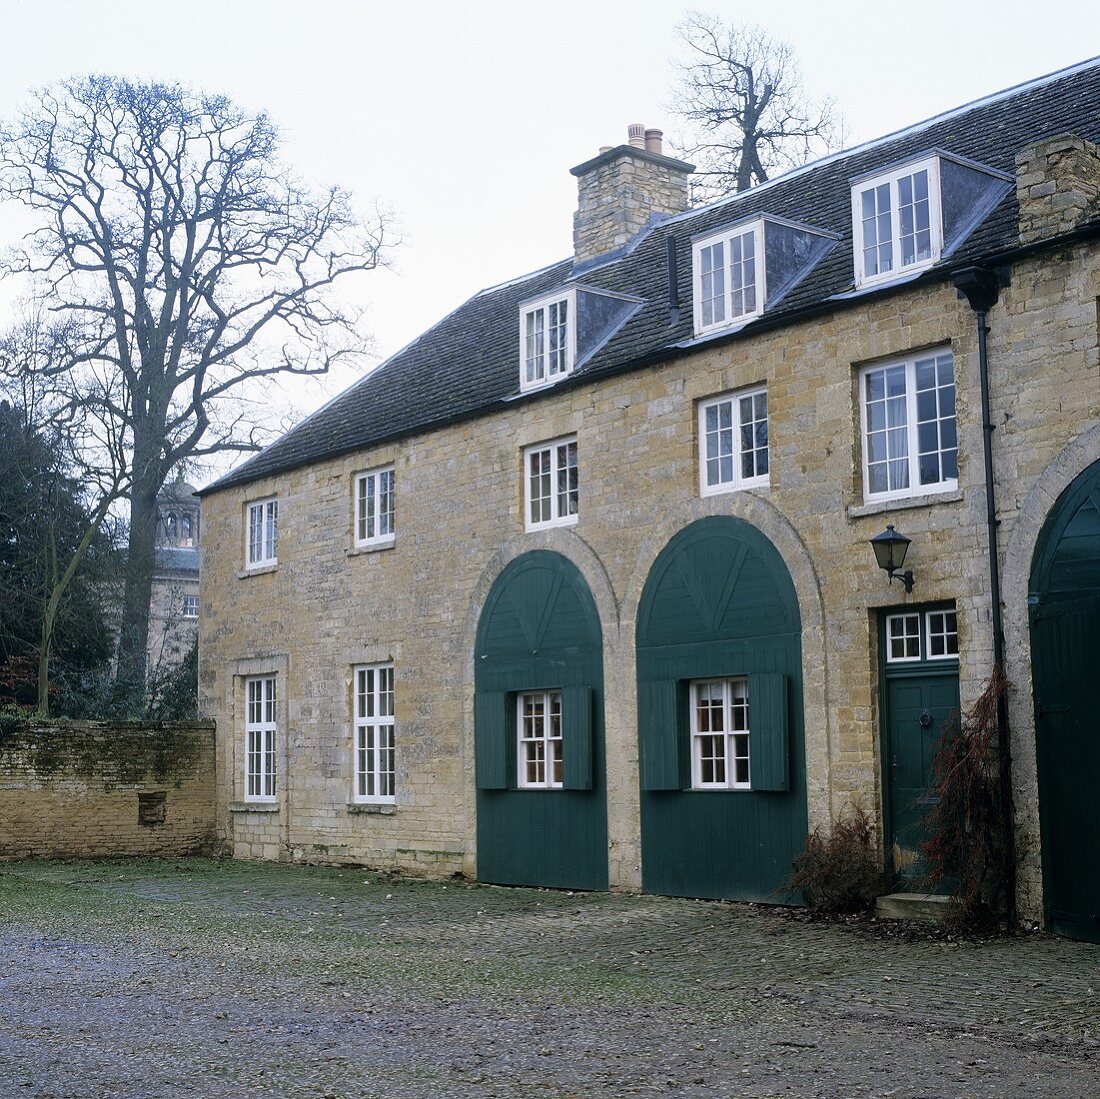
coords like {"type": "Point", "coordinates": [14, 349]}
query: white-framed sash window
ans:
{"type": "Point", "coordinates": [539, 740]}
{"type": "Point", "coordinates": [261, 739]}
{"type": "Point", "coordinates": [551, 483]}
{"type": "Point", "coordinates": [910, 435]}
{"type": "Point", "coordinates": [373, 729]}
{"type": "Point", "coordinates": [375, 507]}
{"type": "Point", "coordinates": [720, 735]}
{"type": "Point", "coordinates": [733, 441]}
{"type": "Point", "coordinates": [262, 544]}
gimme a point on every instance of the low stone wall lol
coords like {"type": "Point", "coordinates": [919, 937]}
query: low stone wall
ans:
{"type": "Point", "coordinates": [94, 789]}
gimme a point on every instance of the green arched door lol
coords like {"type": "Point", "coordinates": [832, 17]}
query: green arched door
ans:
{"type": "Point", "coordinates": [1064, 605]}
{"type": "Point", "coordinates": [538, 728]}
{"type": "Point", "coordinates": [720, 726]}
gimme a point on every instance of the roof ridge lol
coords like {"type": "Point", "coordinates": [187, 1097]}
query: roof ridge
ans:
{"type": "Point", "coordinates": [872, 143]}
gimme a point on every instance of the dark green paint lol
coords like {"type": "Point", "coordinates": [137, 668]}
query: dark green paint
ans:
{"type": "Point", "coordinates": [539, 630]}
{"type": "Point", "coordinates": [769, 742]}
{"type": "Point", "coordinates": [1065, 655]}
{"type": "Point", "coordinates": [719, 602]}
{"type": "Point", "coordinates": [921, 699]}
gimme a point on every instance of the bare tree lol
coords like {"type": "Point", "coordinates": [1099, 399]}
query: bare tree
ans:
{"type": "Point", "coordinates": [743, 104]}
{"type": "Point", "coordinates": [188, 262]}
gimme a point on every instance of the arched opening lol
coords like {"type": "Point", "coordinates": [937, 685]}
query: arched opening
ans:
{"type": "Point", "coordinates": [538, 729]}
{"type": "Point", "coordinates": [1064, 611]}
{"type": "Point", "coordinates": [720, 728]}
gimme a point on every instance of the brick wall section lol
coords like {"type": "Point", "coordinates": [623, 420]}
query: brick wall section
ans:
{"type": "Point", "coordinates": [1057, 185]}
{"type": "Point", "coordinates": [75, 790]}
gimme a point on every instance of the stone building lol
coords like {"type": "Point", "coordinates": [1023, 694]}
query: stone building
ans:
{"type": "Point", "coordinates": [577, 589]}
{"type": "Point", "coordinates": [174, 601]}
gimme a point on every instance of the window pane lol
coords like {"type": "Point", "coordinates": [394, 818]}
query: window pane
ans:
{"type": "Point", "coordinates": [742, 274]}
{"type": "Point", "coordinates": [385, 502]}
{"type": "Point", "coordinates": [713, 284]}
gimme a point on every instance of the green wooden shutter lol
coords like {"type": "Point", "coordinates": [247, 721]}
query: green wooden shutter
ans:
{"type": "Point", "coordinates": [576, 717]}
{"type": "Point", "coordinates": [659, 735]}
{"type": "Point", "coordinates": [491, 740]}
{"type": "Point", "coordinates": [768, 748]}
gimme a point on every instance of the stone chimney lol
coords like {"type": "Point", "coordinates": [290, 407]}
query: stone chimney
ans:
{"type": "Point", "coordinates": [621, 188]}
{"type": "Point", "coordinates": [1057, 186]}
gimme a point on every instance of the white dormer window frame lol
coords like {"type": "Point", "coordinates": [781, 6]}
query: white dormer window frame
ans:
{"type": "Point", "coordinates": [547, 339]}
{"type": "Point", "coordinates": [897, 222]}
{"type": "Point", "coordinates": [729, 284]}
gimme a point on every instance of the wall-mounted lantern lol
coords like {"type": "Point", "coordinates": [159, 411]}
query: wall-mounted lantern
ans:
{"type": "Point", "coordinates": [890, 548]}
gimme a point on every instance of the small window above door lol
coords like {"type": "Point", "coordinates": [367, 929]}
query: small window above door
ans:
{"type": "Point", "coordinates": [922, 635]}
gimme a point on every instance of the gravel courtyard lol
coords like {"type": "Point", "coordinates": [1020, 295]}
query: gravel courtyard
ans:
{"type": "Point", "coordinates": [208, 978]}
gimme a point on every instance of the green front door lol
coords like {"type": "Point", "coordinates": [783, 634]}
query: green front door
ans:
{"type": "Point", "coordinates": [918, 706]}
{"type": "Point", "coordinates": [1065, 655]}
{"type": "Point", "coordinates": [920, 661]}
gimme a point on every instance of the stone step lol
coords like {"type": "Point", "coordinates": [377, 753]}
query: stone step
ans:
{"type": "Point", "coordinates": [931, 907]}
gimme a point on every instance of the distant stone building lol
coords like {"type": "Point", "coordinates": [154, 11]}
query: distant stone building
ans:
{"type": "Point", "coordinates": [174, 602]}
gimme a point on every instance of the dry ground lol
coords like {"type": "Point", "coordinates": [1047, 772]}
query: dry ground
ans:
{"type": "Point", "coordinates": [210, 979]}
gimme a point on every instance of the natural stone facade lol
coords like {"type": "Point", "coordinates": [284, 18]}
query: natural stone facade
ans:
{"type": "Point", "coordinates": [1058, 186]}
{"type": "Point", "coordinates": [99, 789]}
{"type": "Point", "coordinates": [418, 603]}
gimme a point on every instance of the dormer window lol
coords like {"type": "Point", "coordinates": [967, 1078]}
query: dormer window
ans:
{"type": "Point", "coordinates": [729, 277]}
{"type": "Point", "coordinates": [897, 221]}
{"type": "Point", "coordinates": [909, 217]}
{"type": "Point", "coordinates": [745, 268]}
{"type": "Point", "coordinates": [548, 339]}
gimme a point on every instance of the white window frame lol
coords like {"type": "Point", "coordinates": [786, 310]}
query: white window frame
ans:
{"type": "Point", "coordinates": [929, 655]}
{"type": "Point", "coordinates": [541, 748]}
{"type": "Point", "coordinates": [923, 636]}
{"type": "Point", "coordinates": [723, 237]}
{"type": "Point", "coordinates": [731, 706]}
{"type": "Point", "coordinates": [374, 735]}
{"type": "Point", "coordinates": [189, 607]}
{"type": "Point", "coordinates": [540, 311]}
{"type": "Point", "coordinates": [914, 489]}
{"type": "Point", "coordinates": [905, 658]}
{"type": "Point", "coordinates": [268, 550]}
{"type": "Point", "coordinates": [261, 738]}
{"type": "Point", "coordinates": [891, 180]}
{"type": "Point", "coordinates": [738, 481]}
{"type": "Point", "coordinates": [557, 518]}
{"type": "Point", "coordinates": [369, 488]}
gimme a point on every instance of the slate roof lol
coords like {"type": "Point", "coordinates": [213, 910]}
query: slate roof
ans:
{"type": "Point", "coordinates": [468, 363]}
{"type": "Point", "coordinates": [182, 559]}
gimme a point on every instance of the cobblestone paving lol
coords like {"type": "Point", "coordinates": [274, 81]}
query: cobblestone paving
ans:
{"type": "Point", "coordinates": [211, 979]}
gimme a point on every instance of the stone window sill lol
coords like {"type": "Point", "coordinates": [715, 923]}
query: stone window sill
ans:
{"type": "Point", "coordinates": [263, 570]}
{"type": "Point", "coordinates": [253, 807]}
{"type": "Point", "coordinates": [374, 547]}
{"type": "Point", "coordinates": [383, 809]}
{"type": "Point", "coordinates": [858, 511]}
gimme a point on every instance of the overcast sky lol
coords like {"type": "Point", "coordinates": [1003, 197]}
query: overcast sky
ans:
{"type": "Point", "coordinates": [463, 118]}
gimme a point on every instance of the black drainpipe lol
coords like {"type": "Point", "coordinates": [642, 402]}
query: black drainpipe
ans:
{"type": "Point", "coordinates": [981, 287]}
